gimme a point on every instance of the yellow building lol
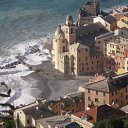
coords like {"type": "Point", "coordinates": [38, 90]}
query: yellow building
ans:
{"type": "Point", "coordinates": [116, 50]}
{"type": "Point", "coordinates": [27, 116]}
{"type": "Point", "coordinates": [74, 50]}
{"type": "Point", "coordinates": [123, 22]}
{"type": "Point", "coordinates": [111, 49]}
{"type": "Point", "coordinates": [107, 91]}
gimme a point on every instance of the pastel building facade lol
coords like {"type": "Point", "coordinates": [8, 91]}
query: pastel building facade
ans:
{"type": "Point", "coordinates": [116, 54]}
{"type": "Point", "coordinates": [107, 91]}
{"type": "Point", "coordinates": [75, 49]}
{"type": "Point", "coordinates": [123, 22]}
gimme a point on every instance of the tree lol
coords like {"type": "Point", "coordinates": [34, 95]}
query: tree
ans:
{"type": "Point", "coordinates": [114, 123]}
{"type": "Point", "coordinates": [100, 124]}
{"type": "Point", "coordinates": [126, 122]}
{"type": "Point", "coordinates": [110, 123]}
{"type": "Point", "coordinates": [9, 123]}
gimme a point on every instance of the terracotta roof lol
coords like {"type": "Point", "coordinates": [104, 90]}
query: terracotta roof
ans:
{"type": "Point", "coordinates": [118, 16]}
{"type": "Point", "coordinates": [99, 113]}
{"type": "Point", "coordinates": [98, 78]}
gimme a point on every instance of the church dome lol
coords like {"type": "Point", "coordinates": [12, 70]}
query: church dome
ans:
{"type": "Point", "coordinates": [69, 20]}
{"type": "Point", "coordinates": [59, 34]}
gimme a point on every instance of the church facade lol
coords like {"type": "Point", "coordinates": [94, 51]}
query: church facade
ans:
{"type": "Point", "coordinates": [74, 45]}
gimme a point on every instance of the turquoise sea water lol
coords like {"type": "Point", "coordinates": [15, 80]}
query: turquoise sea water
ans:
{"type": "Point", "coordinates": [22, 20]}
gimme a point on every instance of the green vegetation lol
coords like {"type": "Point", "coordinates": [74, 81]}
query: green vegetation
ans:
{"type": "Point", "coordinates": [112, 123]}
{"type": "Point", "coordinates": [9, 123]}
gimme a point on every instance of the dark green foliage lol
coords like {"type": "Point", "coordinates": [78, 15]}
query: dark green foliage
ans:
{"type": "Point", "coordinates": [100, 124]}
{"type": "Point", "coordinates": [126, 122]}
{"type": "Point", "coordinates": [112, 123]}
{"type": "Point", "coordinates": [9, 123]}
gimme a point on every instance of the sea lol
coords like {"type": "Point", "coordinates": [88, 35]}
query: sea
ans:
{"type": "Point", "coordinates": [24, 20]}
{"type": "Point", "coordinates": [26, 25]}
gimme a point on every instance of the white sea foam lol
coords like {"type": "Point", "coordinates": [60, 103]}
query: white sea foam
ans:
{"type": "Point", "coordinates": [34, 53]}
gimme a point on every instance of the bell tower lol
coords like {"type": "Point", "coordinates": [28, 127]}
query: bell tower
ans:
{"type": "Point", "coordinates": [70, 30]}
{"type": "Point", "coordinates": [59, 45]}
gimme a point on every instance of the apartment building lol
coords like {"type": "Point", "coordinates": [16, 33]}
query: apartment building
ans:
{"type": "Point", "coordinates": [69, 104]}
{"type": "Point", "coordinates": [113, 90]}
{"type": "Point", "coordinates": [26, 116]}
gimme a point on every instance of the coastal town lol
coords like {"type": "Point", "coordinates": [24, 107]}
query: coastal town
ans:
{"type": "Point", "coordinates": [94, 49]}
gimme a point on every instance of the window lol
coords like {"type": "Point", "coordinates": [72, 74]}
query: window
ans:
{"type": "Point", "coordinates": [89, 98]}
{"type": "Point", "coordinates": [28, 121]}
{"type": "Point", "coordinates": [67, 30]}
{"type": "Point", "coordinates": [86, 63]}
{"type": "Point", "coordinates": [63, 49]}
{"type": "Point", "coordinates": [92, 62]}
{"type": "Point", "coordinates": [126, 89]}
{"type": "Point", "coordinates": [126, 97]}
{"type": "Point", "coordinates": [96, 92]}
{"type": "Point", "coordinates": [88, 91]}
{"type": "Point", "coordinates": [96, 99]}
{"type": "Point", "coordinates": [104, 94]}
{"type": "Point", "coordinates": [121, 95]}
{"type": "Point", "coordinates": [86, 58]}
{"type": "Point", "coordinates": [104, 101]}
{"type": "Point", "coordinates": [71, 30]}
{"type": "Point", "coordinates": [79, 51]}
{"type": "Point", "coordinates": [116, 93]}
{"type": "Point", "coordinates": [112, 94]}
{"type": "Point", "coordinates": [92, 68]}
{"type": "Point", "coordinates": [121, 102]}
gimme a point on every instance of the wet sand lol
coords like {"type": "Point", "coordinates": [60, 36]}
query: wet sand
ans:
{"type": "Point", "coordinates": [51, 83]}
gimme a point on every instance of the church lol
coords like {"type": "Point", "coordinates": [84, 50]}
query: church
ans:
{"type": "Point", "coordinates": [74, 49]}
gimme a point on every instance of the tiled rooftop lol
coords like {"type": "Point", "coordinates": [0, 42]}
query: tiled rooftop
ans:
{"type": "Point", "coordinates": [59, 120]}
{"type": "Point", "coordinates": [110, 19]}
{"type": "Point", "coordinates": [38, 111]}
{"type": "Point", "coordinates": [99, 113]}
{"type": "Point", "coordinates": [86, 34]}
{"type": "Point", "coordinates": [109, 85]}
